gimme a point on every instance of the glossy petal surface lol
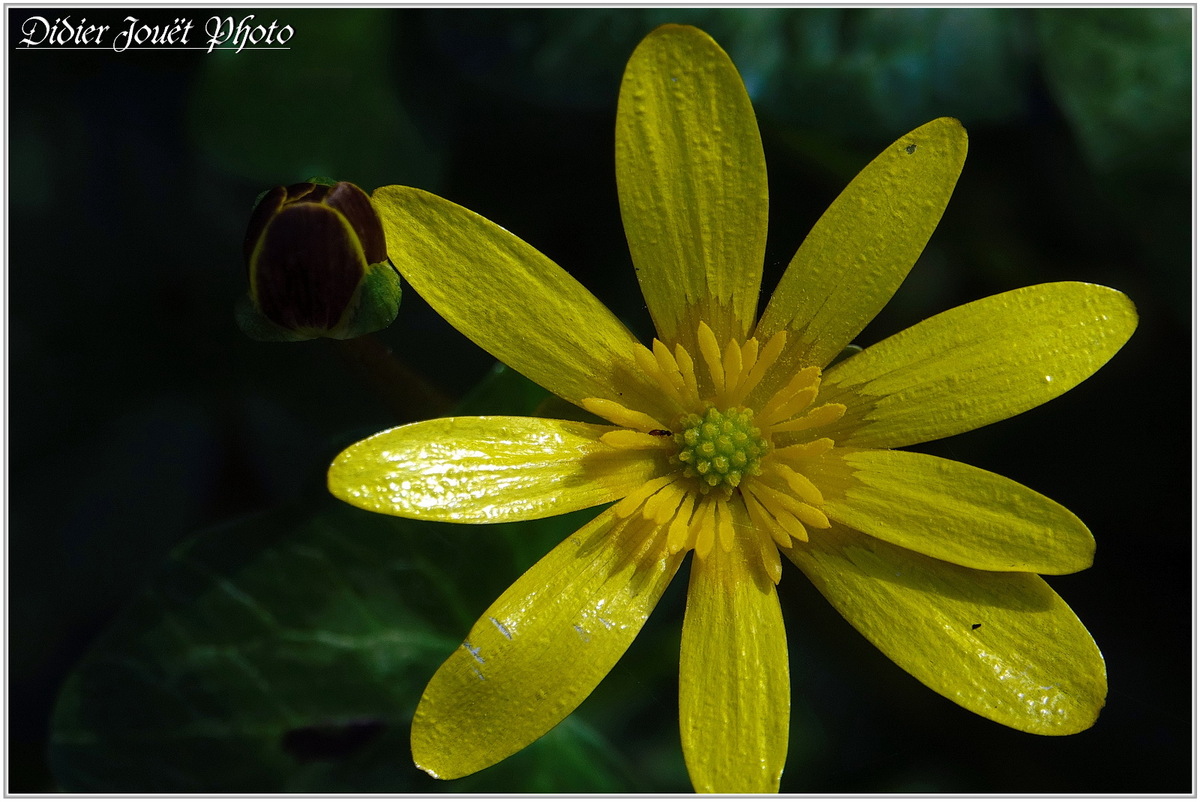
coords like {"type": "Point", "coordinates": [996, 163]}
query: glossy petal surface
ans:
{"type": "Point", "coordinates": [733, 676]}
{"type": "Point", "coordinates": [952, 511]}
{"type": "Point", "coordinates": [488, 469]}
{"type": "Point", "coordinates": [976, 364]}
{"type": "Point", "coordinates": [692, 182]}
{"type": "Point", "coordinates": [861, 249]}
{"type": "Point", "coordinates": [510, 299]}
{"type": "Point", "coordinates": [1002, 645]}
{"type": "Point", "coordinates": [541, 648]}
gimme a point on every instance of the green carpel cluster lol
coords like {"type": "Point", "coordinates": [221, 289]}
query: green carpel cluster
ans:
{"type": "Point", "coordinates": [720, 448]}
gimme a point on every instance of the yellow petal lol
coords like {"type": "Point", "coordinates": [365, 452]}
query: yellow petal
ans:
{"type": "Point", "coordinates": [692, 182]}
{"type": "Point", "coordinates": [542, 647]}
{"type": "Point", "coordinates": [511, 300]}
{"type": "Point", "coordinates": [489, 469]}
{"type": "Point", "coordinates": [1002, 645]}
{"type": "Point", "coordinates": [861, 249]}
{"type": "Point", "coordinates": [952, 511]}
{"type": "Point", "coordinates": [976, 364]}
{"type": "Point", "coordinates": [733, 675]}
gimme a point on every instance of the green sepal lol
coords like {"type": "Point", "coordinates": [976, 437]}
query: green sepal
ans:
{"type": "Point", "coordinates": [376, 306]}
{"type": "Point", "coordinates": [256, 326]}
{"type": "Point", "coordinates": [258, 198]}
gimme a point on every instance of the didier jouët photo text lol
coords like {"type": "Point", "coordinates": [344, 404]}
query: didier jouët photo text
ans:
{"type": "Point", "coordinates": [219, 33]}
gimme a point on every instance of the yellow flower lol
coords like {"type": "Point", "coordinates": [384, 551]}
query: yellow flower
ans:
{"type": "Point", "coordinates": [732, 438]}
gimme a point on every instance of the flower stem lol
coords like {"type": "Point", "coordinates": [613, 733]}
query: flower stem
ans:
{"type": "Point", "coordinates": [408, 395]}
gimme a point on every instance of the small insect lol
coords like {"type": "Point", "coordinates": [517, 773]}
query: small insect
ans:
{"type": "Point", "coordinates": [660, 432]}
{"type": "Point", "coordinates": [976, 626]}
{"type": "Point", "coordinates": [910, 149]}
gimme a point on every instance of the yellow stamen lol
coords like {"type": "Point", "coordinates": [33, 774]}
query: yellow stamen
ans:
{"type": "Point", "coordinates": [786, 520]}
{"type": "Point", "coordinates": [697, 522]}
{"type": "Point", "coordinates": [661, 507]}
{"type": "Point", "coordinates": [677, 534]}
{"type": "Point", "coordinates": [794, 405]}
{"type": "Point", "coordinates": [712, 356]}
{"type": "Point", "coordinates": [639, 531]}
{"type": "Point", "coordinates": [763, 520]}
{"type": "Point", "coordinates": [724, 521]}
{"type": "Point", "coordinates": [687, 369]}
{"type": "Point", "coordinates": [749, 356]}
{"type": "Point", "coordinates": [803, 451]}
{"type": "Point", "coordinates": [646, 361]}
{"type": "Point", "coordinates": [814, 517]}
{"type": "Point", "coordinates": [630, 504]}
{"type": "Point", "coordinates": [770, 559]}
{"type": "Point", "coordinates": [820, 416]}
{"type": "Point", "coordinates": [802, 381]}
{"type": "Point", "coordinates": [732, 365]}
{"type": "Point", "coordinates": [800, 484]}
{"type": "Point", "coordinates": [777, 501]}
{"type": "Point", "coordinates": [666, 364]}
{"type": "Point", "coordinates": [649, 365]}
{"type": "Point", "coordinates": [727, 480]}
{"type": "Point", "coordinates": [703, 530]}
{"type": "Point", "coordinates": [761, 363]}
{"type": "Point", "coordinates": [791, 524]}
{"type": "Point", "coordinates": [621, 415]}
{"type": "Point", "coordinates": [660, 366]}
{"type": "Point", "coordinates": [628, 439]}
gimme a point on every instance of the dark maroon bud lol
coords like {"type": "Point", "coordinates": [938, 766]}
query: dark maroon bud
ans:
{"type": "Point", "coordinates": [308, 249]}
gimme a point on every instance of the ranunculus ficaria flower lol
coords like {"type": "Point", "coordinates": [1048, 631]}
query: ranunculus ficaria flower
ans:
{"type": "Point", "coordinates": [731, 438]}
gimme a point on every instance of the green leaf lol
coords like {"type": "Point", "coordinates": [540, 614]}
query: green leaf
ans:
{"type": "Point", "coordinates": [328, 106]}
{"type": "Point", "coordinates": [857, 74]}
{"type": "Point", "coordinates": [503, 391]}
{"type": "Point", "coordinates": [286, 654]}
{"type": "Point", "coordinates": [574, 57]}
{"type": "Point", "coordinates": [1123, 77]}
{"type": "Point", "coordinates": [864, 72]}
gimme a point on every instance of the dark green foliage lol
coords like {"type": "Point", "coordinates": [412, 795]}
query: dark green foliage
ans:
{"type": "Point", "coordinates": [285, 653]}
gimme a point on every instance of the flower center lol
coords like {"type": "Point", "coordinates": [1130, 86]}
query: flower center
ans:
{"type": "Point", "coordinates": [739, 460]}
{"type": "Point", "coordinates": [720, 448]}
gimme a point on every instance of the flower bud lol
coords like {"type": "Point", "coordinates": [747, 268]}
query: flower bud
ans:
{"type": "Point", "coordinates": [318, 265]}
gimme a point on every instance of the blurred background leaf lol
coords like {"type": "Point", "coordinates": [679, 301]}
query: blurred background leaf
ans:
{"type": "Point", "coordinates": [285, 653]}
{"type": "Point", "coordinates": [335, 112]}
{"type": "Point", "coordinates": [1123, 78]}
{"type": "Point", "coordinates": [575, 57]}
{"type": "Point", "coordinates": [139, 415]}
{"type": "Point", "coordinates": [856, 71]}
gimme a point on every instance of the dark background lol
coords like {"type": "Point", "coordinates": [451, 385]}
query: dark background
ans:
{"type": "Point", "coordinates": [138, 414]}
